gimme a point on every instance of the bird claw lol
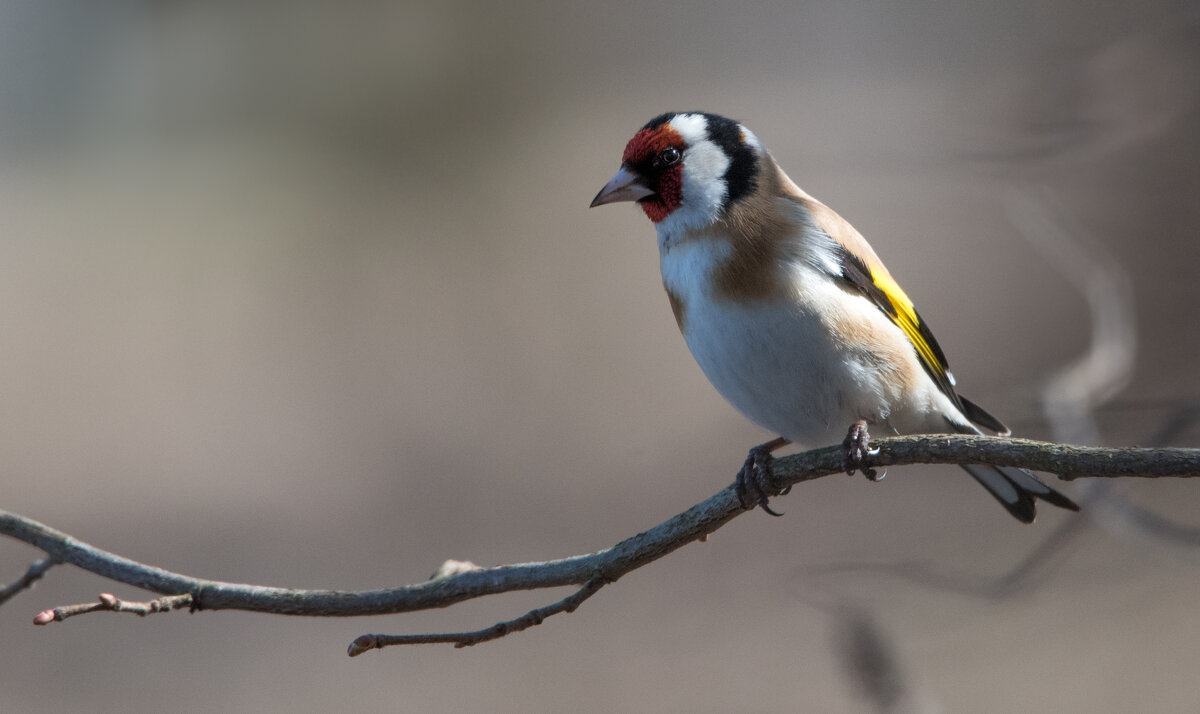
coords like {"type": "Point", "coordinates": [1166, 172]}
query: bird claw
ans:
{"type": "Point", "coordinates": [756, 481]}
{"type": "Point", "coordinates": [858, 451]}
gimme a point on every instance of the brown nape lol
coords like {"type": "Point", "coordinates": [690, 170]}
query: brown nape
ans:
{"type": "Point", "coordinates": [759, 231]}
{"type": "Point", "coordinates": [838, 228]}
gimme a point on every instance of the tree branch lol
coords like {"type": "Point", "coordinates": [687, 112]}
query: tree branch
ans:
{"type": "Point", "coordinates": [107, 602]}
{"type": "Point", "coordinates": [26, 581]}
{"type": "Point", "coordinates": [365, 643]}
{"type": "Point", "coordinates": [589, 571]}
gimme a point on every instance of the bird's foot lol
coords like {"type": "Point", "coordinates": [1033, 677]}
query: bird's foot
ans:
{"type": "Point", "coordinates": [755, 483]}
{"type": "Point", "coordinates": [857, 451]}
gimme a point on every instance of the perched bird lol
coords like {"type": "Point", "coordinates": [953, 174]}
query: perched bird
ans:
{"type": "Point", "coordinates": [787, 309]}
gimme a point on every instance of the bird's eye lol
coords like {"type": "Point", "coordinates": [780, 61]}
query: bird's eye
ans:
{"type": "Point", "coordinates": [669, 156]}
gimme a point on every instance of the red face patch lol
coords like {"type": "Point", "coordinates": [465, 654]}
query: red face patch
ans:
{"type": "Point", "coordinates": [667, 183]}
{"type": "Point", "coordinates": [646, 144]}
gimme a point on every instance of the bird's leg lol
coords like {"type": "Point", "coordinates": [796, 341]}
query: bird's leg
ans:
{"type": "Point", "coordinates": [857, 449]}
{"type": "Point", "coordinates": [756, 481]}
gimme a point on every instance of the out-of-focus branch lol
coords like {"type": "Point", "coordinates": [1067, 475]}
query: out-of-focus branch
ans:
{"type": "Point", "coordinates": [591, 570]}
{"type": "Point", "coordinates": [33, 574]}
{"type": "Point", "coordinates": [1072, 394]}
{"type": "Point", "coordinates": [1071, 397]}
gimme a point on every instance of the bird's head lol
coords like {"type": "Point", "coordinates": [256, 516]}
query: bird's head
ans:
{"type": "Point", "coordinates": [686, 169]}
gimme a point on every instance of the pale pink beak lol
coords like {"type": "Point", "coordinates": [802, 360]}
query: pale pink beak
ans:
{"type": "Point", "coordinates": [625, 186]}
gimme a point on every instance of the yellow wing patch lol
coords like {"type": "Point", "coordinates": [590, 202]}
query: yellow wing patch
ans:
{"type": "Point", "coordinates": [880, 288]}
{"type": "Point", "coordinates": [905, 316]}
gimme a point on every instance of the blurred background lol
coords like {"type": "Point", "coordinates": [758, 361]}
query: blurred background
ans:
{"type": "Point", "coordinates": [308, 295]}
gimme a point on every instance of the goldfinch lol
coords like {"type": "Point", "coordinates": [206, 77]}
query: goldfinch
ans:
{"type": "Point", "coordinates": [787, 309]}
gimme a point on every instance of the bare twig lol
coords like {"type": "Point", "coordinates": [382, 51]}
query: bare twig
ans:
{"type": "Point", "coordinates": [364, 643]}
{"type": "Point", "coordinates": [608, 565]}
{"type": "Point", "coordinates": [26, 581]}
{"type": "Point", "coordinates": [107, 602]}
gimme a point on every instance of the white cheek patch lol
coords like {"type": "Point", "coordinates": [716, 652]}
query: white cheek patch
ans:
{"type": "Point", "coordinates": [704, 167]}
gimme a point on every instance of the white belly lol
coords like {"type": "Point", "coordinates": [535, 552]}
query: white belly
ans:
{"type": "Point", "coordinates": [780, 365]}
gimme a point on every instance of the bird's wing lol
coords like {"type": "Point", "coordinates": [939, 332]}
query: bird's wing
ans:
{"type": "Point", "coordinates": [848, 257]}
{"type": "Point", "coordinates": [877, 285]}
{"type": "Point", "coordinates": [880, 288]}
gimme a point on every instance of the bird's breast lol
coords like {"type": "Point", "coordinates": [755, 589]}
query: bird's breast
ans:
{"type": "Point", "coordinates": [768, 357]}
{"type": "Point", "coordinates": [775, 357]}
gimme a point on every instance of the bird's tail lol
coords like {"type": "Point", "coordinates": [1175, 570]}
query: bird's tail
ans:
{"type": "Point", "coordinates": [1017, 490]}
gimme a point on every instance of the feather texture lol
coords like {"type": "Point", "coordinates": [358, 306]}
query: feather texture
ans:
{"type": "Point", "coordinates": [788, 310]}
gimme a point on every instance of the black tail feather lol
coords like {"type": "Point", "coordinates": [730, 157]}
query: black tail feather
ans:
{"type": "Point", "coordinates": [980, 416]}
{"type": "Point", "coordinates": [1017, 489]}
